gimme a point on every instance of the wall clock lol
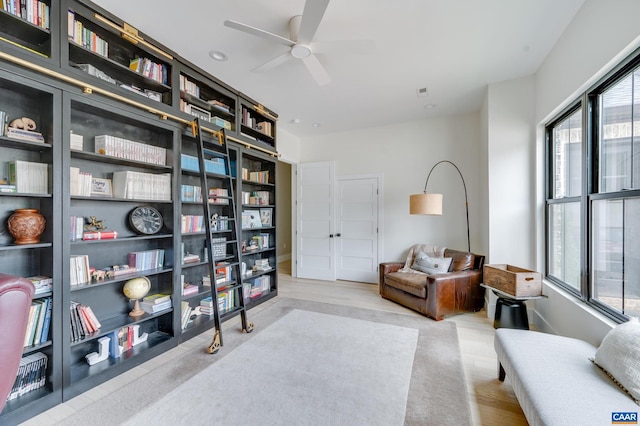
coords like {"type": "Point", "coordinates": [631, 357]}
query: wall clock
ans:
{"type": "Point", "coordinates": [145, 220]}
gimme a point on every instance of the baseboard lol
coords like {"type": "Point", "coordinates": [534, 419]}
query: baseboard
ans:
{"type": "Point", "coordinates": [284, 257]}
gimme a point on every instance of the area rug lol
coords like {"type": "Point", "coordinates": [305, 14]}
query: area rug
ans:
{"type": "Point", "coordinates": [306, 363]}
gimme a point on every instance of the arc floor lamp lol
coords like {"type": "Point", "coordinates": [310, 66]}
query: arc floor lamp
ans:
{"type": "Point", "coordinates": [431, 204]}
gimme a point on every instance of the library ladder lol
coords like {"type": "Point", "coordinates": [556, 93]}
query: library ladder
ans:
{"type": "Point", "coordinates": [220, 150]}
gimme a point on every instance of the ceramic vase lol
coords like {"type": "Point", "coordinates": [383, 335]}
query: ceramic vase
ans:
{"type": "Point", "coordinates": [26, 226]}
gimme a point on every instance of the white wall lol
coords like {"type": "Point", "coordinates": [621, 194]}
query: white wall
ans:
{"type": "Point", "coordinates": [601, 34]}
{"type": "Point", "coordinates": [404, 154]}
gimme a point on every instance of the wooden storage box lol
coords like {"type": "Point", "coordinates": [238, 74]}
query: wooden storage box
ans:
{"type": "Point", "coordinates": [515, 281]}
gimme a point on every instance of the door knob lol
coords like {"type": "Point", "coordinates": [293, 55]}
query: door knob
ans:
{"type": "Point", "coordinates": [337, 235]}
{"type": "Point", "coordinates": [330, 235]}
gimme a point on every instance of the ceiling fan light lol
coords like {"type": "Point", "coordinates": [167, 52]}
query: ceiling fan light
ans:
{"type": "Point", "coordinates": [300, 51]}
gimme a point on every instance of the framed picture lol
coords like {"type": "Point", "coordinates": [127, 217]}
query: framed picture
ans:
{"type": "Point", "coordinates": [101, 187]}
{"type": "Point", "coordinates": [265, 217]}
{"type": "Point", "coordinates": [251, 219]}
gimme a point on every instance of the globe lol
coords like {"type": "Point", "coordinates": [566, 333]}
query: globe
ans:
{"type": "Point", "coordinates": [134, 289]}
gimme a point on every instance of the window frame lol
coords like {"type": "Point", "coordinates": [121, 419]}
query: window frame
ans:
{"type": "Point", "coordinates": [589, 101]}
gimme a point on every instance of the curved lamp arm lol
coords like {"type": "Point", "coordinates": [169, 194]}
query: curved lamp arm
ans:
{"type": "Point", "coordinates": [466, 201]}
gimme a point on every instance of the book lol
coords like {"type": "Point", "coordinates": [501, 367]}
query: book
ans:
{"type": "Point", "coordinates": [156, 298]}
{"type": "Point", "coordinates": [47, 322]}
{"type": "Point", "coordinates": [25, 135]}
{"type": "Point", "coordinates": [100, 235]}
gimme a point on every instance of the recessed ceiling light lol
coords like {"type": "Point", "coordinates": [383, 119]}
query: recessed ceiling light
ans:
{"type": "Point", "coordinates": [430, 106]}
{"type": "Point", "coordinates": [296, 121]}
{"type": "Point", "coordinates": [316, 124]}
{"type": "Point", "coordinates": [218, 55]}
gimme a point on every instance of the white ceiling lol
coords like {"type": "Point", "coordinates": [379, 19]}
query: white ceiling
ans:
{"type": "Point", "coordinates": [452, 47]}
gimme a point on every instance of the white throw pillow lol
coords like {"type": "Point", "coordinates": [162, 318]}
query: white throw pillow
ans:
{"type": "Point", "coordinates": [619, 356]}
{"type": "Point", "coordinates": [431, 265]}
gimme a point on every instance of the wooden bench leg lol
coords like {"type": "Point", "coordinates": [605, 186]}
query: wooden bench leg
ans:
{"type": "Point", "coordinates": [501, 372]}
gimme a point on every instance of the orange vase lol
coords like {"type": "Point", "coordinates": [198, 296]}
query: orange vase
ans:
{"type": "Point", "coordinates": [26, 226]}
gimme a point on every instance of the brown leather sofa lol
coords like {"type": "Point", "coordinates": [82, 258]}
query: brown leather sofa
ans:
{"type": "Point", "coordinates": [15, 301]}
{"type": "Point", "coordinates": [439, 295]}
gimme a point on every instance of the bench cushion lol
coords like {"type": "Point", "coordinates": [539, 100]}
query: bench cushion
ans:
{"type": "Point", "coordinates": [555, 381]}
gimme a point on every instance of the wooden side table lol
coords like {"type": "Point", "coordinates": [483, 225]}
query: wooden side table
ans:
{"type": "Point", "coordinates": [511, 311]}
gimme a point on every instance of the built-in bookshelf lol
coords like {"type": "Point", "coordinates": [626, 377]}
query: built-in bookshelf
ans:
{"type": "Point", "coordinates": [256, 204]}
{"type": "Point", "coordinates": [96, 48]}
{"type": "Point", "coordinates": [207, 100]}
{"type": "Point", "coordinates": [27, 29]}
{"type": "Point", "coordinates": [257, 124]}
{"type": "Point", "coordinates": [100, 150]}
{"type": "Point", "coordinates": [128, 160]}
{"type": "Point", "coordinates": [22, 98]}
{"type": "Point", "coordinates": [200, 289]}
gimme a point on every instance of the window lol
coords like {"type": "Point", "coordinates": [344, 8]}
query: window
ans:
{"type": "Point", "coordinates": [593, 195]}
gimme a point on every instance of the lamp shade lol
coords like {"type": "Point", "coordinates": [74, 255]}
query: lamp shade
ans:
{"type": "Point", "coordinates": [425, 204]}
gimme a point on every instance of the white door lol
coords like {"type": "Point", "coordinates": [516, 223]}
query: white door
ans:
{"type": "Point", "coordinates": [315, 254]}
{"type": "Point", "coordinates": [357, 230]}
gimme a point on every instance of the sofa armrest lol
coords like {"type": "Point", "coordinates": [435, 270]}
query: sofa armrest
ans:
{"type": "Point", "coordinates": [387, 268]}
{"type": "Point", "coordinates": [453, 292]}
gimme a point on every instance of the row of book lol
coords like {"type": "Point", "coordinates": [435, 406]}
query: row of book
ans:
{"type": "Point", "coordinates": [211, 165]}
{"type": "Point", "coordinates": [83, 321]}
{"type": "Point", "coordinates": [34, 11]}
{"type": "Point", "coordinates": [258, 242]}
{"type": "Point", "coordinates": [32, 375]}
{"type": "Point", "coordinates": [39, 322]}
{"type": "Point", "coordinates": [186, 311]}
{"type": "Point", "coordinates": [193, 89]}
{"type": "Point", "coordinates": [256, 198]}
{"type": "Point", "coordinates": [132, 185]}
{"type": "Point", "coordinates": [117, 147]}
{"type": "Point", "coordinates": [79, 269]}
{"type": "Point", "coordinates": [191, 193]}
{"type": "Point", "coordinates": [84, 37]}
{"type": "Point", "coordinates": [124, 339]}
{"type": "Point", "coordinates": [218, 196]}
{"type": "Point", "coordinates": [250, 121]}
{"type": "Point", "coordinates": [226, 303]}
{"type": "Point", "coordinates": [190, 223]}
{"type": "Point", "coordinates": [148, 68]}
{"type": "Point", "coordinates": [146, 260]}
{"type": "Point", "coordinates": [259, 177]}
{"type": "Point", "coordinates": [260, 286]}
{"type": "Point", "coordinates": [29, 177]}
{"type": "Point", "coordinates": [80, 183]}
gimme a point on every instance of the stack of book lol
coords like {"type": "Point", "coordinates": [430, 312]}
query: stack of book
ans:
{"type": "Point", "coordinates": [146, 260]}
{"type": "Point", "coordinates": [216, 193]}
{"type": "Point", "coordinates": [29, 177]}
{"type": "Point", "coordinates": [261, 265]}
{"type": "Point", "coordinates": [23, 135]}
{"type": "Point", "coordinates": [190, 289]}
{"type": "Point", "coordinates": [83, 322]}
{"type": "Point", "coordinates": [32, 374]}
{"type": "Point", "coordinates": [206, 306]}
{"type": "Point", "coordinates": [155, 303]}
{"type": "Point", "coordinates": [42, 283]}
{"type": "Point", "coordinates": [39, 322]}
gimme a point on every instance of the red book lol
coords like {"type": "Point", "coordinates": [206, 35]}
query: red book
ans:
{"type": "Point", "coordinates": [100, 235]}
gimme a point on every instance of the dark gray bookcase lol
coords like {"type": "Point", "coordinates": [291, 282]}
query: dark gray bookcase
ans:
{"type": "Point", "coordinates": [40, 79]}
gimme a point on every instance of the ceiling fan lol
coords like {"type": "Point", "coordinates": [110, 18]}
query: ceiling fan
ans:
{"type": "Point", "coordinates": [302, 28]}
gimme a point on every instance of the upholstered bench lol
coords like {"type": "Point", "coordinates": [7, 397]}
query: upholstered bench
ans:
{"type": "Point", "coordinates": [555, 381]}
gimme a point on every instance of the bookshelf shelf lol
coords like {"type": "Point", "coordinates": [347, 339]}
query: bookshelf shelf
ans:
{"type": "Point", "coordinates": [115, 160]}
{"type": "Point", "coordinates": [112, 281]}
{"type": "Point", "coordinates": [32, 146]}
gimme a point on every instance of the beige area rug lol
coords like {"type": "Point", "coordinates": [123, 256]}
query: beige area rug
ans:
{"type": "Point", "coordinates": [306, 363]}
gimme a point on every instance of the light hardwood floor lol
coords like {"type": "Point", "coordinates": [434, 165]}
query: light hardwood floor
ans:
{"type": "Point", "coordinates": [492, 402]}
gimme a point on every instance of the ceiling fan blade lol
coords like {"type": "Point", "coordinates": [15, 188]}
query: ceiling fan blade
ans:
{"type": "Point", "coordinates": [311, 17]}
{"type": "Point", "coordinates": [272, 63]}
{"type": "Point", "coordinates": [258, 32]}
{"type": "Point", "coordinates": [316, 69]}
{"type": "Point", "coordinates": [363, 47]}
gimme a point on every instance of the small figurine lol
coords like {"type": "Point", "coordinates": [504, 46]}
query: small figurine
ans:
{"type": "Point", "coordinates": [23, 123]}
{"type": "Point", "coordinates": [94, 225]}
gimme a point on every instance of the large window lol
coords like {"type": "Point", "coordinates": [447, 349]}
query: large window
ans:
{"type": "Point", "coordinates": [593, 195]}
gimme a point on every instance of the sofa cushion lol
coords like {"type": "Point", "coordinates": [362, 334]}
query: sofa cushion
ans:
{"type": "Point", "coordinates": [415, 284]}
{"type": "Point", "coordinates": [619, 356]}
{"type": "Point", "coordinates": [461, 261]}
{"type": "Point", "coordinates": [431, 265]}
